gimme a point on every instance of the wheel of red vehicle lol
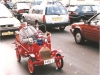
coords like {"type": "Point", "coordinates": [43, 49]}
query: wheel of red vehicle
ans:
{"type": "Point", "coordinates": [78, 37]}
{"type": "Point", "coordinates": [60, 62]}
{"type": "Point", "coordinates": [30, 66]}
{"type": "Point", "coordinates": [18, 56]}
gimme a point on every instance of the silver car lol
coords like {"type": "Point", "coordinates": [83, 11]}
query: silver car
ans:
{"type": "Point", "coordinates": [48, 15]}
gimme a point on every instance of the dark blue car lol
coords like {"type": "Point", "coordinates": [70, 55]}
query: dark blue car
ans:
{"type": "Point", "coordinates": [81, 12]}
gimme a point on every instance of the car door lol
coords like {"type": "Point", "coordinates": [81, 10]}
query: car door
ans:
{"type": "Point", "coordinates": [88, 31]}
{"type": "Point", "coordinates": [96, 37]}
{"type": "Point", "coordinates": [92, 30]}
{"type": "Point", "coordinates": [96, 29]}
{"type": "Point", "coordinates": [86, 11]}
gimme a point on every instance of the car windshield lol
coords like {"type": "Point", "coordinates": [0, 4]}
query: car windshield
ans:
{"type": "Point", "coordinates": [4, 12]}
{"type": "Point", "coordinates": [96, 19]}
{"type": "Point", "coordinates": [56, 10]}
{"type": "Point", "coordinates": [72, 8]}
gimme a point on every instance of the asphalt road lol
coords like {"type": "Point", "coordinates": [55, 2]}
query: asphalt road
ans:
{"type": "Point", "coordinates": [78, 59]}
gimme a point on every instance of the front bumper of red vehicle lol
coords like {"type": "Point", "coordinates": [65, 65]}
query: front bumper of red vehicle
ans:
{"type": "Point", "coordinates": [47, 61]}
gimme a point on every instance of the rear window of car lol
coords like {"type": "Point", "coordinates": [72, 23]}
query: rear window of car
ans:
{"type": "Point", "coordinates": [56, 10]}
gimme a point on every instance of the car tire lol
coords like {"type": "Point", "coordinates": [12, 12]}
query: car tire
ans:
{"type": "Point", "coordinates": [37, 25]}
{"type": "Point", "coordinates": [60, 62]}
{"type": "Point", "coordinates": [22, 20]}
{"type": "Point", "coordinates": [31, 65]}
{"type": "Point", "coordinates": [18, 55]}
{"type": "Point", "coordinates": [78, 37]}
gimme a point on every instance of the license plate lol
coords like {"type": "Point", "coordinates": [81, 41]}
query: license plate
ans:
{"type": "Point", "coordinates": [49, 61]}
{"type": "Point", "coordinates": [57, 19]}
{"type": "Point", "coordinates": [7, 33]}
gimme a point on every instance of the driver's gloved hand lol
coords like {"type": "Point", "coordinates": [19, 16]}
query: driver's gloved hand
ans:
{"type": "Point", "coordinates": [31, 40]}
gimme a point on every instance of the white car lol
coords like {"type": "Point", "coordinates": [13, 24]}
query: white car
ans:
{"type": "Point", "coordinates": [48, 15]}
{"type": "Point", "coordinates": [21, 7]}
{"type": "Point", "coordinates": [8, 23]}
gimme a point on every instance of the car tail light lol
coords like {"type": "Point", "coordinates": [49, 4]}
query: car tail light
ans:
{"type": "Point", "coordinates": [20, 11]}
{"type": "Point", "coordinates": [44, 19]}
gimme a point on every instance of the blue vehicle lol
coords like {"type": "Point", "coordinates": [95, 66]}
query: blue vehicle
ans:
{"type": "Point", "coordinates": [81, 12]}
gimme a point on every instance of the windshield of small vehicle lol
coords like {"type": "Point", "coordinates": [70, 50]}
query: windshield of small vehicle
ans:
{"type": "Point", "coordinates": [72, 8]}
{"type": "Point", "coordinates": [56, 10]}
{"type": "Point", "coordinates": [22, 5]}
{"type": "Point", "coordinates": [4, 12]}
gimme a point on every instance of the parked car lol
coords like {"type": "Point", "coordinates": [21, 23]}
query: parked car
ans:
{"type": "Point", "coordinates": [89, 30]}
{"type": "Point", "coordinates": [8, 23]}
{"type": "Point", "coordinates": [48, 15]}
{"type": "Point", "coordinates": [21, 7]}
{"type": "Point", "coordinates": [81, 12]}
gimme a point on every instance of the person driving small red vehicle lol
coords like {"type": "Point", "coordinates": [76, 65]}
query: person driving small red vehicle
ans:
{"type": "Point", "coordinates": [37, 47]}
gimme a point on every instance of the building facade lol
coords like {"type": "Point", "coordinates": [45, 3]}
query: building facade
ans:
{"type": "Point", "coordinates": [74, 2]}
